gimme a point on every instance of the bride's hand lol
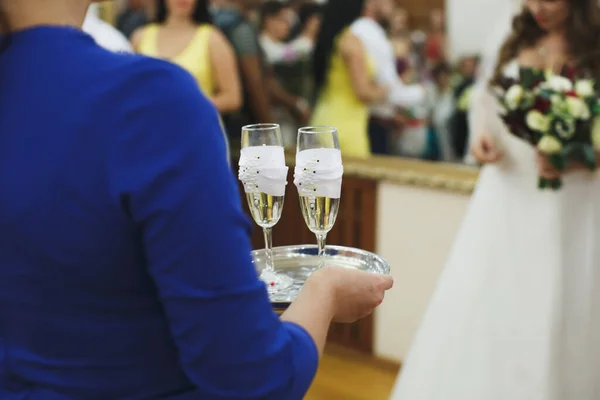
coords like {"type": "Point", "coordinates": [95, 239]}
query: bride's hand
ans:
{"type": "Point", "coordinates": [485, 150]}
{"type": "Point", "coordinates": [548, 171]}
{"type": "Point", "coordinates": [545, 167]}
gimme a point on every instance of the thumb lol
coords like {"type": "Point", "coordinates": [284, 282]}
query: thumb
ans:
{"type": "Point", "coordinates": [386, 282]}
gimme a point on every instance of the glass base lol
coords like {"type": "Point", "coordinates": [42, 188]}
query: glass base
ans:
{"type": "Point", "coordinates": [276, 282]}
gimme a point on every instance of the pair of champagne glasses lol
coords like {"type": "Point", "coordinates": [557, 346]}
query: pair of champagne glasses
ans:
{"type": "Point", "coordinates": [317, 176]}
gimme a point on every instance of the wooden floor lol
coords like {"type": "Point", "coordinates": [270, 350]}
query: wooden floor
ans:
{"type": "Point", "coordinates": [344, 375]}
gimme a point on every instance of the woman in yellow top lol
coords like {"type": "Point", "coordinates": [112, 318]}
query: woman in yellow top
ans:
{"type": "Point", "coordinates": [184, 34]}
{"type": "Point", "coordinates": [344, 78]}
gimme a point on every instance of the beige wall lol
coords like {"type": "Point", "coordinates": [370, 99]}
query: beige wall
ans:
{"type": "Point", "coordinates": [415, 230]}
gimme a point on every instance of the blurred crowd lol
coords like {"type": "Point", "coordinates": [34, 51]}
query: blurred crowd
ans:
{"type": "Point", "coordinates": [295, 62]}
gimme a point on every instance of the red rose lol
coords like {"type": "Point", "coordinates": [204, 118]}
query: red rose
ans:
{"type": "Point", "coordinates": [571, 93]}
{"type": "Point", "coordinates": [542, 105]}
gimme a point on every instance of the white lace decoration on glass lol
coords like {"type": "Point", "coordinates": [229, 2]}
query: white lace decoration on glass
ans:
{"type": "Point", "coordinates": [262, 170]}
{"type": "Point", "coordinates": [318, 173]}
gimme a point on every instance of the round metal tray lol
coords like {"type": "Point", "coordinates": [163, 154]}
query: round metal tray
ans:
{"type": "Point", "coordinates": [300, 261]}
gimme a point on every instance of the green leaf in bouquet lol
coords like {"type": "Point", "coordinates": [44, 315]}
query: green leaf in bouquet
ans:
{"type": "Point", "coordinates": [529, 76]}
{"type": "Point", "coordinates": [589, 157]}
{"type": "Point", "coordinates": [554, 184]}
{"type": "Point", "coordinates": [571, 150]}
{"type": "Point", "coordinates": [558, 161]}
{"type": "Point", "coordinates": [592, 104]}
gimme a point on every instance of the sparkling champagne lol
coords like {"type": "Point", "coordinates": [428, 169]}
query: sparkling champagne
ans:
{"type": "Point", "coordinates": [265, 209]}
{"type": "Point", "coordinates": [319, 213]}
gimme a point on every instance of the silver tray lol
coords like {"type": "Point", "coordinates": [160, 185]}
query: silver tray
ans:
{"type": "Point", "coordinates": [300, 261]}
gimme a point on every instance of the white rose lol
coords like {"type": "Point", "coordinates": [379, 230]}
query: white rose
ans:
{"type": "Point", "coordinates": [536, 121]}
{"type": "Point", "coordinates": [577, 108]}
{"type": "Point", "coordinates": [584, 88]}
{"type": "Point", "coordinates": [513, 96]}
{"type": "Point", "coordinates": [596, 133]}
{"type": "Point", "coordinates": [560, 84]}
{"type": "Point", "coordinates": [549, 145]}
{"type": "Point", "coordinates": [565, 128]}
{"type": "Point", "coordinates": [556, 99]}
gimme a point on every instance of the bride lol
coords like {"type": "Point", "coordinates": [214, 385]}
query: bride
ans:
{"type": "Point", "coordinates": [516, 314]}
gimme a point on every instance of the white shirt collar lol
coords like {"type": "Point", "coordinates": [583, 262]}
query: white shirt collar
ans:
{"type": "Point", "coordinates": [103, 33]}
{"type": "Point", "coordinates": [370, 25]}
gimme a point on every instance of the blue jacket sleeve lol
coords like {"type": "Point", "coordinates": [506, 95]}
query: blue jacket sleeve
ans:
{"type": "Point", "coordinates": [170, 165]}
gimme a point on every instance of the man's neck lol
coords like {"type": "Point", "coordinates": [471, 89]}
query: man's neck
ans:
{"type": "Point", "coordinates": [369, 15]}
{"type": "Point", "coordinates": [269, 35]}
{"type": "Point", "coordinates": [372, 17]}
{"type": "Point", "coordinates": [178, 22]}
{"type": "Point", "coordinates": [232, 5]}
{"type": "Point", "coordinates": [22, 14]}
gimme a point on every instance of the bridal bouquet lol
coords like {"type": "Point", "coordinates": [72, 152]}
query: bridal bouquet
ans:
{"type": "Point", "coordinates": [555, 112]}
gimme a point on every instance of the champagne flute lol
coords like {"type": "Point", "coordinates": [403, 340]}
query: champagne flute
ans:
{"type": "Point", "coordinates": [264, 175]}
{"type": "Point", "coordinates": [318, 177]}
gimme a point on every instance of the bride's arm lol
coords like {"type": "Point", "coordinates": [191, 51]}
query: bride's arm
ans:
{"type": "Point", "coordinates": [483, 111]}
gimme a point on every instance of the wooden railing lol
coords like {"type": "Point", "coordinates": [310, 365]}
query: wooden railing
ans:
{"type": "Point", "coordinates": [355, 227]}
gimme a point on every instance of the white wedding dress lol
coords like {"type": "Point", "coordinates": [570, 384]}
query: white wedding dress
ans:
{"type": "Point", "coordinates": [516, 313]}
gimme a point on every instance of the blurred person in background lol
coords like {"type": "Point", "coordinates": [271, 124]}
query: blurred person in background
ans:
{"type": "Point", "coordinates": [435, 45]}
{"type": "Point", "coordinates": [293, 14]}
{"type": "Point", "coordinates": [275, 28]}
{"type": "Point", "coordinates": [310, 17]}
{"type": "Point", "coordinates": [344, 77]}
{"type": "Point", "coordinates": [184, 34]}
{"type": "Point", "coordinates": [287, 60]}
{"type": "Point", "coordinates": [369, 30]}
{"type": "Point", "coordinates": [214, 5]}
{"type": "Point", "coordinates": [459, 124]}
{"type": "Point", "coordinates": [399, 34]}
{"type": "Point", "coordinates": [104, 33]}
{"type": "Point", "coordinates": [133, 17]}
{"type": "Point", "coordinates": [442, 106]}
{"type": "Point", "coordinates": [232, 17]}
{"type": "Point", "coordinates": [125, 266]}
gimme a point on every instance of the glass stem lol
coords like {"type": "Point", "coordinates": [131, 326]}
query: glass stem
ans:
{"type": "Point", "coordinates": [267, 232]}
{"type": "Point", "coordinates": [321, 242]}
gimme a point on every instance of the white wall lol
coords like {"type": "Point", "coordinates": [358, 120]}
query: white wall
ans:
{"type": "Point", "coordinates": [415, 230]}
{"type": "Point", "coordinates": [473, 25]}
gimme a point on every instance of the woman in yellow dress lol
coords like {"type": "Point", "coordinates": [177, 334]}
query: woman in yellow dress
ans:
{"type": "Point", "coordinates": [184, 34]}
{"type": "Point", "coordinates": [344, 78]}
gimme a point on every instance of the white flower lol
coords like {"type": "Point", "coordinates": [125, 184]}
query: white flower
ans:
{"type": "Point", "coordinates": [513, 96]}
{"type": "Point", "coordinates": [537, 121]}
{"type": "Point", "coordinates": [564, 127]}
{"type": "Point", "coordinates": [560, 83]}
{"type": "Point", "coordinates": [596, 133]}
{"type": "Point", "coordinates": [556, 99]}
{"type": "Point", "coordinates": [577, 108]}
{"type": "Point", "coordinates": [584, 88]}
{"type": "Point", "coordinates": [549, 145]}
